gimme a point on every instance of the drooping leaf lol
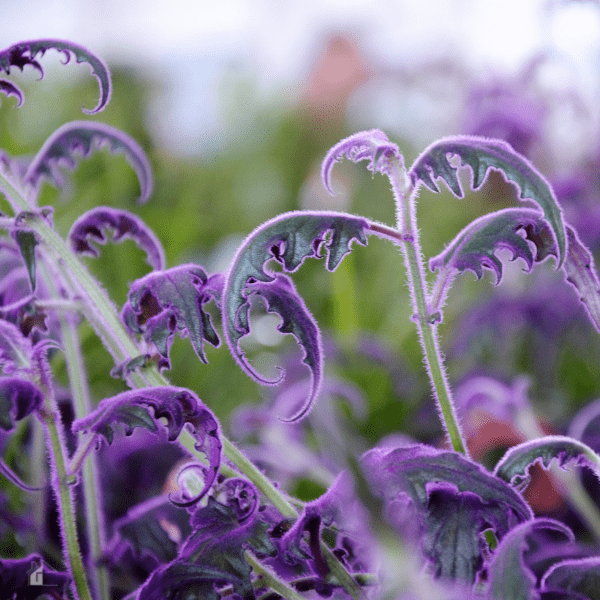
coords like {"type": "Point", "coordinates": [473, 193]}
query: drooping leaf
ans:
{"type": "Point", "coordinates": [91, 225]}
{"type": "Point", "coordinates": [577, 576]}
{"type": "Point", "coordinates": [213, 554]}
{"type": "Point", "coordinates": [514, 466]}
{"type": "Point", "coordinates": [281, 297]}
{"type": "Point", "coordinates": [474, 247]}
{"type": "Point", "coordinates": [27, 243]}
{"type": "Point", "coordinates": [372, 145]}
{"type": "Point", "coordinates": [25, 53]}
{"type": "Point", "coordinates": [164, 302]}
{"type": "Point", "coordinates": [582, 275]}
{"type": "Point", "coordinates": [509, 576]}
{"type": "Point", "coordinates": [10, 89]}
{"type": "Point", "coordinates": [178, 405]}
{"type": "Point", "coordinates": [150, 528]}
{"type": "Point", "coordinates": [452, 501]}
{"type": "Point", "coordinates": [481, 155]}
{"type": "Point", "coordinates": [288, 239]}
{"type": "Point", "coordinates": [85, 137]}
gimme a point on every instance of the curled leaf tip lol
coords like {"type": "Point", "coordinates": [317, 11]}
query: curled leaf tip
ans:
{"type": "Point", "coordinates": [24, 53]}
{"type": "Point", "coordinates": [372, 145]}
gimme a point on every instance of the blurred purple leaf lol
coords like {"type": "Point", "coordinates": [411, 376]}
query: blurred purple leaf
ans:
{"type": "Point", "coordinates": [85, 137]}
{"type": "Point", "coordinates": [15, 579]}
{"type": "Point", "coordinates": [178, 405]}
{"type": "Point", "coordinates": [164, 302]}
{"type": "Point", "coordinates": [481, 155]}
{"type": "Point", "coordinates": [213, 554]}
{"type": "Point", "coordinates": [449, 499]}
{"type": "Point", "coordinates": [579, 576]}
{"type": "Point", "coordinates": [91, 226]}
{"type": "Point", "coordinates": [25, 53]}
{"type": "Point", "coordinates": [509, 577]}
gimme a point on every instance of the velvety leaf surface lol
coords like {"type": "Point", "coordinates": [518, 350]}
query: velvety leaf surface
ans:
{"type": "Point", "coordinates": [18, 398]}
{"type": "Point", "coordinates": [474, 247]}
{"type": "Point", "coordinates": [577, 576]}
{"type": "Point", "coordinates": [16, 350]}
{"type": "Point", "coordinates": [453, 500]}
{"type": "Point", "coordinates": [165, 302]}
{"type": "Point", "coordinates": [25, 53]}
{"type": "Point", "coordinates": [14, 578]}
{"type": "Point", "coordinates": [514, 466]}
{"type": "Point", "coordinates": [509, 576]}
{"type": "Point", "coordinates": [84, 137]}
{"type": "Point", "coordinates": [372, 146]}
{"type": "Point", "coordinates": [213, 554]}
{"type": "Point", "coordinates": [289, 239]}
{"type": "Point", "coordinates": [178, 405]}
{"type": "Point", "coordinates": [481, 155]}
{"type": "Point", "coordinates": [91, 227]}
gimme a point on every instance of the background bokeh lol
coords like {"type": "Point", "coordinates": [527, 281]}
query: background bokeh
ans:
{"type": "Point", "coordinates": [236, 104]}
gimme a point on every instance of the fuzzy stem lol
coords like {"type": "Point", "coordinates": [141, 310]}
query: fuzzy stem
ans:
{"type": "Point", "coordinates": [269, 579]}
{"type": "Point", "coordinates": [50, 416]}
{"type": "Point", "coordinates": [405, 197]}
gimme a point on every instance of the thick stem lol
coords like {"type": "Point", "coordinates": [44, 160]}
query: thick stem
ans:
{"type": "Point", "coordinates": [426, 325]}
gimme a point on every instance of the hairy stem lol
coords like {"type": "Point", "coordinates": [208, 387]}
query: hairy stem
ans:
{"type": "Point", "coordinates": [426, 321]}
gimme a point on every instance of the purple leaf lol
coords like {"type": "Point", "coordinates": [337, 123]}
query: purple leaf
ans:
{"type": "Point", "coordinates": [178, 405]}
{"type": "Point", "coordinates": [452, 501]}
{"type": "Point", "coordinates": [91, 225]}
{"type": "Point", "coordinates": [24, 53]}
{"type": "Point", "coordinates": [161, 303]}
{"type": "Point", "coordinates": [514, 466]}
{"type": "Point", "coordinates": [85, 137]}
{"type": "Point", "coordinates": [289, 239]}
{"type": "Point", "coordinates": [509, 576]}
{"type": "Point", "coordinates": [581, 274]}
{"type": "Point", "coordinates": [18, 398]}
{"type": "Point", "coordinates": [474, 247]}
{"type": "Point", "coordinates": [481, 155]}
{"type": "Point", "coordinates": [372, 145]}
{"type": "Point", "coordinates": [577, 576]}
{"type": "Point", "coordinates": [15, 579]}
{"type": "Point", "coordinates": [10, 89]}
{"type": "Point", "coordinates": [213, 554]}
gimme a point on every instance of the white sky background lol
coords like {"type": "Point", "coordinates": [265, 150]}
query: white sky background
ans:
{"type": "Point", "coordinates": [193, 45]}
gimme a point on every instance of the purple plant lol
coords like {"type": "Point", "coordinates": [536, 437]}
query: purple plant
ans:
{"type": "Point", "coordinates": [152, 499]}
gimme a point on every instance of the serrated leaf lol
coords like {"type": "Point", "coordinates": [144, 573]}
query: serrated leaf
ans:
{"type": "Point", "coordinates": [455, 501]}
{"type": "Point", "coordinates": [214, 553]}
{"type": "Point", "coordinates": [289, 239]}
{"type": "Point", "coordinates": [509, 577]}
{"type": "Point", "coordinates": [481, 155]}
{"type": "Point", "coordinates": [91, 226]}
{"type": "Point", "coordinates": [474, 247]}
{"type": "Point", "coordinates": [514, 466]}
{"type": "Point", "coordinates": [579, 576]}
{"type": "Point", "coordinates": [24, 53]}
{"type": "Point", "coordinates": [164, 302]}
{"type": "Point", "coordinates": [84, 137]}
{"type": "Point", "coordinates": [178, 405]}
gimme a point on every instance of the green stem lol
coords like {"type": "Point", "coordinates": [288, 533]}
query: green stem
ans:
{"type": "Point", "coordinates": [426, 326]}
{"type": "Point", "coordinates": [270, 579]}
{"type": "Point", "coordinates": [64, 498]}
